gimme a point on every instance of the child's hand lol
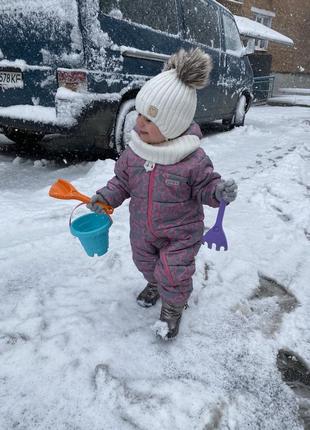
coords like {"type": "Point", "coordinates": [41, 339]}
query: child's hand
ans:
{"type": "Point", "coordinates": [226, 190]}
{"type": "Point", "coordinates": [93, 206]}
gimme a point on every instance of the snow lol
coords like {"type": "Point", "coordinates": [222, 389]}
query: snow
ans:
{"type": "Point", "coordinates": [290, 100]}
{"type": "Point", "coordinates": [22, 65]}
{"type": "Point", "coordinates": [99, 39]}
{"type": "Point", "coordinates": [30, 113]}
{"type": "Point", "coordinates": [40, 14]}
{"type": "Point", "coordinates": [160, 328]}
{"type": "Point", "coordinates": [76, 352]}
{"type": "Point", "coordinates": [64, 9]}
{"type": "Point", "coordinates": [300, 91]}
{"type": "Point", "coordinates": [248, 27]}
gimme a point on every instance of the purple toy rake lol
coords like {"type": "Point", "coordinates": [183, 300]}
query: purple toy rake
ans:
{"type": "Point", "coordinates": [216, 233]}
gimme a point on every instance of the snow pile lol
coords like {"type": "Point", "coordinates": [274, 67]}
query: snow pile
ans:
{"type": "Point", "coordinates": [290, 100]}
{"type": "Point", "coordinates": [300, 91]}
{"type": "Point", "coordinates": [160, 328]}
{"type": "Point", "coordinates": [77, 352]}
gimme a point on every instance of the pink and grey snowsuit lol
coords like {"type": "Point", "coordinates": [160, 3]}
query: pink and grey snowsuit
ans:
{"type": "Point", "coordinates": [166, 216]}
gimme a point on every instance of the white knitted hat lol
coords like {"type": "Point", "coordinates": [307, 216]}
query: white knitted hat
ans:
{"type": "Point", "coordinates": [169, 99]}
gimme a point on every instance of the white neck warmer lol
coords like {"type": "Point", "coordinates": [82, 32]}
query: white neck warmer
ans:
{"type": "Point", "coordinates": [165, 153]}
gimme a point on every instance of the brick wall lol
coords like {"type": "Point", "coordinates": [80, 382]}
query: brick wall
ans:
{"type": "Point", "coordinates": [292, 18]}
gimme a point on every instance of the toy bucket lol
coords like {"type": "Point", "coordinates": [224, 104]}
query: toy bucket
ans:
{"type": "Point", "coordinates": [93, 232]}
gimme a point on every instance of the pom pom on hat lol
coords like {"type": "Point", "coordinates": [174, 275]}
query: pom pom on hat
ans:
{"type": "Point", "coordinates": [169, 99]}
{"type": "Point", "coordinates": [192, 67]}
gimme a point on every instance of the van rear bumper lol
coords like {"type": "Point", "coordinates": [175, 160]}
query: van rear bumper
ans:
{"type": "Point", "coordinates": [37, 119]}
{"type": "Point", "coordinates": [96, 118]}
{"type": "Point", "coordinates": [34, 126]}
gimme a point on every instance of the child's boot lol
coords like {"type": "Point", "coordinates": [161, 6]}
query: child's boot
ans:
{"type": "Point", "coordinates": [149, 296]}
{"type": "Point", "coordinates": [171, 315]}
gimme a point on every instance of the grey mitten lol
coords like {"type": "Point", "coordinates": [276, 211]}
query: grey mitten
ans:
{"type": "Point", "coordinates": [226, 190]}
{"type": "Point", "coordinates": [93, 206]}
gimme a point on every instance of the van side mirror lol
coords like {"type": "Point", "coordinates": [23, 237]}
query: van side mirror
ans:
{"type": "Point", "coordinates": [249, 47]}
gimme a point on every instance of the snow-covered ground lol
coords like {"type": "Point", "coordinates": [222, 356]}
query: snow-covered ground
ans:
{"type": "Point", "coordinates": [290, 100]}
{"type": "Point", "coordinates": [76, 352]}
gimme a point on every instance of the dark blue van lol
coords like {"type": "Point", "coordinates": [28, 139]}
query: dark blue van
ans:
{"type": "Point", "coordinates": [71, 68]}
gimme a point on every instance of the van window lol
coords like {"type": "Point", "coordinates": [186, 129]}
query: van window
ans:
{"type": "Point", "coordinates": [202, 22]}
{"type": "Point", "coordinates": [232, 38]}
{"type": "Point", "coordinates": [158, 14]}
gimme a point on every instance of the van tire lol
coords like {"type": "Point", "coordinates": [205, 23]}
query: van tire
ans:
{"type": "Point", "coordinates": [124, 124]}
{"type": "Point", "coordinates": [238, 119]}
{"type": "Point", "coordinates": [240, 112]}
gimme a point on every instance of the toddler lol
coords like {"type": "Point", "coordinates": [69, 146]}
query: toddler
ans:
{"type": "Point", "coordinates": [168, 178]}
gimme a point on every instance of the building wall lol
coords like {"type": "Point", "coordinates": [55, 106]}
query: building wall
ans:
{"type": "Point", "coordinates": [292, 18]}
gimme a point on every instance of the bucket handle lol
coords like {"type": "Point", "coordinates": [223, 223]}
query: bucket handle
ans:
{"type": "Point", "coordinates": [81, 204]}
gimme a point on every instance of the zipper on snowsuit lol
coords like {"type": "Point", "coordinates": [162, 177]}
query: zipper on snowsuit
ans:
{"type": "Point", "coordinates": [150, 201]}
{"type": "Point", "coordinates": [150, 226]}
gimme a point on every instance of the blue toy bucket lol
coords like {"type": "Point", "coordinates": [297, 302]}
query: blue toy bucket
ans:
{"type": "Point", "coordinates": [93, 232]}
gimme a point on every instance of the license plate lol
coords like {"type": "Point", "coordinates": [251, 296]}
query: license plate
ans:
{"type": "Point", "coordinates": [11, 78]}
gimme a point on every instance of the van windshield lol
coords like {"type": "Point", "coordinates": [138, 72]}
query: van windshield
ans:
{"type": "Point", "coordinates": [40, 32]}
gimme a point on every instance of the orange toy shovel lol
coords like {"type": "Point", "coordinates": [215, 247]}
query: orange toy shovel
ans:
{"type": "Point", "coordinates": [63, 189]}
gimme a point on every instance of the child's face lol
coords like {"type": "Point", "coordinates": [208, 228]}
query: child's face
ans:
{"type": "Point", "coordinates": [148, 131]}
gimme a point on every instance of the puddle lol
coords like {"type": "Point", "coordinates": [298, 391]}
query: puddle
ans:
{"type": "Point", "coordinates": [294, 370]}
{"type": "Point", "coordinates": [295, 373]}
{"type": "Point", "coordinates": [272, 299]}
{"type": "Point", "coordinates": [269, 287]}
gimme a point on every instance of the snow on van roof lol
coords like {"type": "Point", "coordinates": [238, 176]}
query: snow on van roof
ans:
{"type": "Point", "coordinates": [248, 27]}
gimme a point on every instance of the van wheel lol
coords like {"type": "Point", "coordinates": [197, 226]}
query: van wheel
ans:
{"type": "Point", "coordinates": [125, 122]}
{"type": "Point", "coordinates": [238, 119]}
{"type": "Point", "coordinates": [22, 138]}
{"type": "Point", "coordinates": [240, 112]}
